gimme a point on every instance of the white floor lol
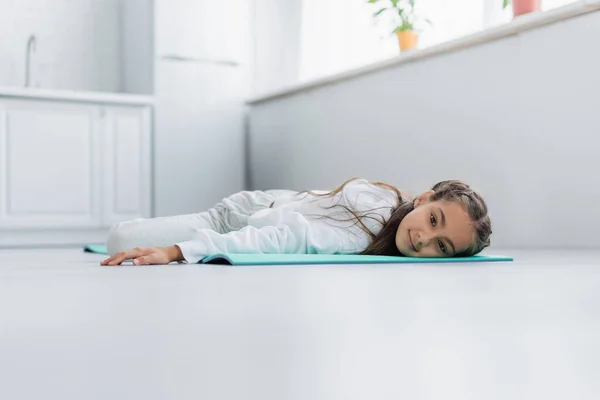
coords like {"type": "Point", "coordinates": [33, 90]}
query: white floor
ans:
{"type": "Point", "coordinates": [70, 329]}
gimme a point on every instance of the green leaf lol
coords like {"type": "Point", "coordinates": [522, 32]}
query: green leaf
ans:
{"type": "Point", "coordinates": [505, 3]}
{"type": "Point", "coordinates": [373, 1]}
{"type": "Point", "coordinates": [379, 12]}
{"type": "Point", "coordinates": [412, 3]}
{"type": "Point", "coordinates": [395, 3]}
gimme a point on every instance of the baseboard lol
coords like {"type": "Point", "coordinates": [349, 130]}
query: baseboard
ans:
{"type": "Point", "coordinates": [61, 238]}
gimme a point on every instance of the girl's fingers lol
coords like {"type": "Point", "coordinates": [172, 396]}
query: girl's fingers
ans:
{"type": "Point", "coordinates": [118, 258]}
{"type": "Point", "coordinates": [144, 260]}
{"type": "Point", "coordinates": [109, 259]}
{"type": "Point", "coordinates": [124, 256]}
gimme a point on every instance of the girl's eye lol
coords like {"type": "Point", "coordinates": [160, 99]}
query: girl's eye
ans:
{"type": "Point", "coordinates": [432, 219]}
{"type": "Point", "coordinates": [442, 246]}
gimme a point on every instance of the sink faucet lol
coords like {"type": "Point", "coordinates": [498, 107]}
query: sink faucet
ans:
{"type": "Point", "coordinates": [30, 48]}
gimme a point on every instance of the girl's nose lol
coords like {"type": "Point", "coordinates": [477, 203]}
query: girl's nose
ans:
{"type": "Point", "coordinates": [425, 238]}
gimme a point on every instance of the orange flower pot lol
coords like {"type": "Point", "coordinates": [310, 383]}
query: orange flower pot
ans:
{"type": "Point", "coordinates": [407, 40]}
{"type": "Point", "coordinates": [521, 7]}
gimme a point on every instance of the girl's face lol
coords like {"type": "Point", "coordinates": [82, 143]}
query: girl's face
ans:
{"type": "Point", "coordinates": [434, 229]}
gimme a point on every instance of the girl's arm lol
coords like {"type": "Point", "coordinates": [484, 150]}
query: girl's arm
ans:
{"type": "Point", "coordinates": [267, 233]}
{"type": "Point", "coordinates": [268, 239]}
{"type": "Point", "coordinates": [297, 236]}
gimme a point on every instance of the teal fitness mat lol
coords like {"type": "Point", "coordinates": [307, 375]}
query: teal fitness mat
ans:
{"type": "Point", "coordinates": [95, 248]}
{"type": "Point", "coordinates": [303, 259]}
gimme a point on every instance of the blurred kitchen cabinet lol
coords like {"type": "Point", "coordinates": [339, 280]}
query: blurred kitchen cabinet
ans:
{"type": "Point", "coordinates": [69, 169]}
{"type": "Point", "coordinates": [126, 164]}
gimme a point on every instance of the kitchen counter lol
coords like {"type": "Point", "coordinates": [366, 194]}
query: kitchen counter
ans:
{"type": "Point", "coordinates": [76, 96]}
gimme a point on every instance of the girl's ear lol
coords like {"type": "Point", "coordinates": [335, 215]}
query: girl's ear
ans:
{"type": "Point", "coordinates": [423, 198]}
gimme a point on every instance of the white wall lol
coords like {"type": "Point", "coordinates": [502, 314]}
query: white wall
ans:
{"type": "Point", "coordinates": [276, 28]}
{"type": "Point", "coordinates": [78, 43]}
{"type": "Point", "coordinates": [137, 46]}
{"type": "Point", "coordinates": [517, 118]}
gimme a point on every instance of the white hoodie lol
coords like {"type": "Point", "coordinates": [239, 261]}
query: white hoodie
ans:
{"type": "Point", "coordinates": [296, 224]}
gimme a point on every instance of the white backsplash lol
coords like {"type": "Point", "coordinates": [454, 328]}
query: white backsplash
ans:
{"type": "Point", "coordinates": [78, 43]}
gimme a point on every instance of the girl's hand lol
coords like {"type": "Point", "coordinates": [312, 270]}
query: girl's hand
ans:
{"type": "Point", "coordinates": [152, 255]}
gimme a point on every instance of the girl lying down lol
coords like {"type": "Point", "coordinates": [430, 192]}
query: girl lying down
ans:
{"type": "Point", "coordinates": [359, 217]}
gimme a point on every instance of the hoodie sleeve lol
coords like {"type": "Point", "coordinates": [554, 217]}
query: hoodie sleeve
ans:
{"type": "Point", "coordinates": [271, 232]}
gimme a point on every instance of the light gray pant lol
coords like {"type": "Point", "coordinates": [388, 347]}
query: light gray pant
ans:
{"type": "Point", "coordinates": [230, 214]}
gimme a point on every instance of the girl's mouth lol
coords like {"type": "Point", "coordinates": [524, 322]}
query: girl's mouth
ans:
{"type": "Point", "coordinates": [412, 246]}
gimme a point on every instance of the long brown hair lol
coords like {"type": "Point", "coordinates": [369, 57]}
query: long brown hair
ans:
{"type": "Point", "coordinates": [384, 241]}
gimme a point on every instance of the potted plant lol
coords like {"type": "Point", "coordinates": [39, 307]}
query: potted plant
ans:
{"type": "Point", "coordinates": [521, 7]}
{"type": "Point", "coordinates": [406, 19]}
